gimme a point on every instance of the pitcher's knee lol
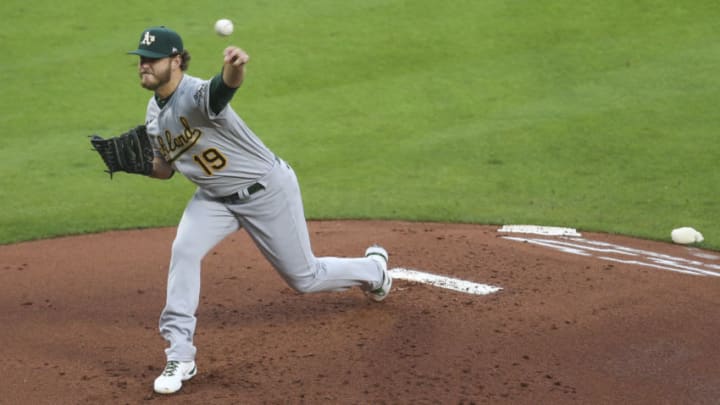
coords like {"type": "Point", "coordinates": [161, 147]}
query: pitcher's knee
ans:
{"type": "Point", "coordinates": [302, 285]}
{"type": "Point", "coordinates": [303, 277]}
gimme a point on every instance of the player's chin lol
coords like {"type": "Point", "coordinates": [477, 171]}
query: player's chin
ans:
{"type": "Point", "coordinates": [149, 82]}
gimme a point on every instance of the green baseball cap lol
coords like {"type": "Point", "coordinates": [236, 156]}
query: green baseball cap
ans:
{"type": "Point", "coordinates": [159, 42]}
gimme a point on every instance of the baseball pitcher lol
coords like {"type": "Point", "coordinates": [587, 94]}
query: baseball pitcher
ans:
{"type": "Point", "coordinates": [191, 128]}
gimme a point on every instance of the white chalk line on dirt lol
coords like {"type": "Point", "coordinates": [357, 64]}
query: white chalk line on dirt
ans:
{"type": "Point", "coordinates": [603, 250]}
{"type": "Point", "coordinates": [449, 283]}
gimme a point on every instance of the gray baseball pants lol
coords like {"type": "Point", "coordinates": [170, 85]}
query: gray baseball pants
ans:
{"type": "Point", "coordinates": [275, 220]}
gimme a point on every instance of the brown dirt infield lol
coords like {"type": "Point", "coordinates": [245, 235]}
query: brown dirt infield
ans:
{"type": "Point", "coordinates": [79, 318]}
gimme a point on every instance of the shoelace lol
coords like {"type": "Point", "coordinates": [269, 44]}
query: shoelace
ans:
{"type": "Point", "coordinates": [171, 368]}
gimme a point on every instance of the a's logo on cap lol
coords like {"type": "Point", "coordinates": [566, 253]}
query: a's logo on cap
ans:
{"type": "Point", "coordinates": [148, 39]}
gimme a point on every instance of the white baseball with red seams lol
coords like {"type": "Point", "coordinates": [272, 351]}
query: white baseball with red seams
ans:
{"type": "Point", "coordinates": [223, 27]}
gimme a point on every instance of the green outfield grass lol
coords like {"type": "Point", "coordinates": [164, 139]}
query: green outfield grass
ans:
{"type": "Point", "coordinates": [593, 115]}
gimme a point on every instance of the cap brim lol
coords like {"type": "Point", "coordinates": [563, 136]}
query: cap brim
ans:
{"type": "Point", "coordinates": [148, 54]}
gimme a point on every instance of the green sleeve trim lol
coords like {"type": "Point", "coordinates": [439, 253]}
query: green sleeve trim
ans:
{"type": "Point", "coordinates": [220, 93]}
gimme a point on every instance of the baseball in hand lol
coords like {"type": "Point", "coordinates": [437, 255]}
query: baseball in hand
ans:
{"type": "Point", "coordinates": [223, 27]}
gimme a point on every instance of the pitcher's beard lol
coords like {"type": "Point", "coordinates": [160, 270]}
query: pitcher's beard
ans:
{"type": "Point", "coordinates": [160, 79]}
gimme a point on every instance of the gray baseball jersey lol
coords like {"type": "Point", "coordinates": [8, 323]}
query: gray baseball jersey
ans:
{"type": "Point", "coordinates": [241, 184]}
{"type": "Point", "coordinates": [218, 152]}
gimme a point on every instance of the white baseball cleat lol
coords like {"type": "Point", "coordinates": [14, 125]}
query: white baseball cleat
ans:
{"type": "Point", "coordinates": [170, 381]}
{"type": "Point", "coordinates": [380, 255]}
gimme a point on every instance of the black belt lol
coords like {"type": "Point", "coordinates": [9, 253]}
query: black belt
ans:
{"type": "Point", "coordinates": [237, 197]}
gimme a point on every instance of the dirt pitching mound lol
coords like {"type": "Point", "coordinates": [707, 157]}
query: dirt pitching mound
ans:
{"type": "Point", "coordinates": [592, 319]}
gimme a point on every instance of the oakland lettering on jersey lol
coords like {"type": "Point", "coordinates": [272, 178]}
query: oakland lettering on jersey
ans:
{"type": "Point", "coordinates": [177, 145]}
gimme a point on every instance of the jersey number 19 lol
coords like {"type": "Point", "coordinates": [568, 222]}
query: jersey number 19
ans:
{"type": "Point", "coordinates": [210, 160]}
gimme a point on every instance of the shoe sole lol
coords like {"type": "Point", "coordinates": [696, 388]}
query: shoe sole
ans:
{"type": "Point", "coordinates": [382, 253]}
{"type": "Point", "coordinates": [378, 298]}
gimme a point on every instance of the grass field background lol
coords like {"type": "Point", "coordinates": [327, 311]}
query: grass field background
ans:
{"type": "Point", "coordinates": [593, 115]}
